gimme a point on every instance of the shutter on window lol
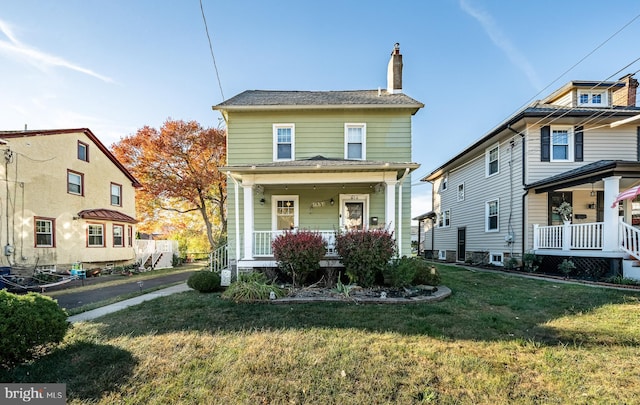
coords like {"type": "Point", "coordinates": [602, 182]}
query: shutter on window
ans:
{"type": "Point", "coordinates": [545, 142]}
{"type": "Point", "coordinates": [579, 144]}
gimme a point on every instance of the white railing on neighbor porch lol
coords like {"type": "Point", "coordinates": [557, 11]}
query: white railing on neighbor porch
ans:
{"type": "Point", "coordinates": [262, 242]}
{"type": "Point", "coordinates": [629, 239]}
{"type": "Point", "coordinates": [568, 236]}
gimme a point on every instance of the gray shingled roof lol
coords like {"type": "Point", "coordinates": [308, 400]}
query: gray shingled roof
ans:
{"type": "Point", "coordinates": [264, 98]}
{"type": "Point", "coordinates": [322, 163]}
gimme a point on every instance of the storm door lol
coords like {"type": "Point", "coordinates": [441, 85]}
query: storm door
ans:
{"type": "Point", "coordinates": [354, 211]}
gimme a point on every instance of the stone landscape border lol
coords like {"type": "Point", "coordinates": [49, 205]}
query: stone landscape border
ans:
{"type": "Point", "coordinates": [439, 295]}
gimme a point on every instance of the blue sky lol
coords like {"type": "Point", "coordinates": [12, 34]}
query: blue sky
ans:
{"type": "Point", "coordinates": [116, 65]}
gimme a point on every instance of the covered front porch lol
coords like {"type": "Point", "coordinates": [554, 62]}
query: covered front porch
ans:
{"type": "Point", "coordinates": [600, 225]}
{"type": "Point", "coordinates": [318, 194]}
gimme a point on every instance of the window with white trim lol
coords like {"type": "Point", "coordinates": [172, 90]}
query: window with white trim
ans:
{"type": "Point", "coordinates": [561, 143]}
{"type": "Point", "coordinates": [355, 136]}
{"type": "Point", "coordinates": [44, 232]}
{"type": "Point", "coordinates": [118, 235]}
{"type": "Point", "coordinates": [445, 183]}
{"type": "Point", "coordinates": [116, 194]}
{"type": "Point", "coordinates": [492, 158]}
{"type": "Point", "coordinates": [95, 235]}
{"type": "Point", "coordinates": [444, 219]}
{"type": "Point", "coordinates": [75, 183]}
{"type": "Point", "coordinates": [492, 215]}
{"type": "Point", "coordinates": [461, 192]}
{"type": "Point", "coordinates": [596, 98]}
{"type": "Point", "coordinates": [283, 142]}
{"type": "Point", "coordinates": [496, 258]}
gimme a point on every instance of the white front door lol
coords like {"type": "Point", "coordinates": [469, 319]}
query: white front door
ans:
{"type": "Point", "coordinates": [354, 211]}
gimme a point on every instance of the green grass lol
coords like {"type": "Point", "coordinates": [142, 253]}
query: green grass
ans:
{"type": "Point", "coordinates": [498, 339]}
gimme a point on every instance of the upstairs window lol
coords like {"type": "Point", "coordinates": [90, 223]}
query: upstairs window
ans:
{"type": "Point", "coordinates": [445, 183]}
{"type": "Point", "coordinates": [444, 220]}
{"type": "Point", "coordinates": [116, 194]}
{"type": "Point", "coordinates": [461, 192]}
{"type": "Point", "coordinates": [355, 141]}
{"type": "Point", "coordinates": [44, 232]}
{"type": "Point", "coordinates": [283, 141]}
{"type": "Point", "coordinates": [83, 151]}
{"type": "Point", "coordinates": [594, 98]}
{"type": "Point", "coordinates": [75, 183]}
{"type": "Point", "coordinates": [492, 156]}
{"type": "Point", "coordinates": [561, 143]}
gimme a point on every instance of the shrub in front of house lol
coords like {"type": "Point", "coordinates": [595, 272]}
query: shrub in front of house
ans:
{"type": "Point", "coordinates": [299, 253]}
{"type": "Point", "coordinates": [252, 287]}
{"type": "Point", "coordinates": [30, 324]}
{"type": "Point", "coordinates": [426, 273]}
{"type": "Point", "coordinates": [204, 281]}
{"type": "Point", "coordinates": [365, 254]}
{"type": "Point", "coordinates": [400, 272]}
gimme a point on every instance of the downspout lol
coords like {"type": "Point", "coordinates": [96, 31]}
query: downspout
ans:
{"type": "Point", "coordinates": [402, 179]}
{"type": "Point", "coordinates": [526, 191]}
{"type": "Point", "coordinates": [237, 206]}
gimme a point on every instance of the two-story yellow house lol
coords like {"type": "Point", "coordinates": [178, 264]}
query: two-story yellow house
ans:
{"type": "Point", "coordinates": [65, 199]}
{"type": "Point", "coordinates": [319, 160]}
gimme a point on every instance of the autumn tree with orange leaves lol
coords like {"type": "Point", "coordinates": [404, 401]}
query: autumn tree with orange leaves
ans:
{"type": "Point", "coordinates": [178, 168]}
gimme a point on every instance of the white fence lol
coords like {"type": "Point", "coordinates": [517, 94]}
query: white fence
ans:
{"type": "Point", "coordinates": [155, 250]}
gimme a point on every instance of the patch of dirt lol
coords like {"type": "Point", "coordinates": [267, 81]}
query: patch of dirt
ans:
{"type": "Point", "coordinates": [375, 295]}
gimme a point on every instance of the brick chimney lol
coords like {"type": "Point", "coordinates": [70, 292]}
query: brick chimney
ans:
{"type": "Point", "coordinates": [394, 71]}
{"type": "Point", "coordinates": [626, 96]}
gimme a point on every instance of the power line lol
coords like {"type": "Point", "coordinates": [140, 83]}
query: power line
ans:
{"type": "Point", "coordinates": [206, 28]}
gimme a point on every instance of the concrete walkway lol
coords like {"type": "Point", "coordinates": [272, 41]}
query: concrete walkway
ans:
{"type": "Point", "coordinates": [98, 312]}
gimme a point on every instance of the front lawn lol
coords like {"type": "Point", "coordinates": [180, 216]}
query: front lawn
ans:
{"type": "Point", "coordinates": [498, 339]}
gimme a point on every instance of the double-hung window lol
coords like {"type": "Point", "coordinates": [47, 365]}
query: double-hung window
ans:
{"type": "Point", "coordinates": [45, 232]}
{"type": "Point", "coordinates": [118, 235]}
{"type": "Point", "coordinates": [355, 141]}
{"type": "Point", "coordinates": [283, 142]}
{"type": "Point", "coordinates": [95, 235]}
{"type": "Point", "coordinates": [116, 194]}
{"type": "Point", "coordinates": [83, 151]}
{"type": "Point", "coordinates": [75, 183]}
{"type": "Point", "coordinates": [492, 156]}
{"type": "Point", "coordinates": [461, 192]}
{"type": "Point", "coordinates": [561, 145]}
{"type": "Point", "coordinates": [492, 211]}
{"type": "Point", "coordinates": [445, 219]}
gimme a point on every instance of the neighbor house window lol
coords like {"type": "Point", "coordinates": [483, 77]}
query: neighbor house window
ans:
{"type": "Point", "coordinates": [445, 183]}
{"type": "Point", "coordinates": [496, 258]}
{"type": "Point", "coordinates": [283, 141]}
{"type": "Point", "coordinates": [116, 194]}
{"type": "Point", "coordinates": [83, 151]}
{"type": "Point", "coordinates": [492, 156]}
{"type": "Point", "coordinates": [492, 211]}
{"type": "Point", "coordinates": [75, 183]}
{"type": "Point", "coordinates": [44, 232]}
{"type": "Point", "coordinates": [445, 219]}
{"type": "Point", "coordinates": [461, 192]}
{"type": "Point", "coordinates": [118, 235]}
{"type": "Point", "coordinates": [95, 235]}
{"type": "Point", "coordinates": [286, 212]}
{"type": "Point", "coordinates": [560, 143]}
{"type": "Point", "coordinates": [355, 141]}
{"type": "Point", "coordinates": [592, 98]}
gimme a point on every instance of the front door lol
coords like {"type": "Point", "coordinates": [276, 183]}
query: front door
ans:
{"type": "Point", "coordinates": [462, 244]}
{"type": "Point", "coordinates": [354, 211]}
{"type": "Point", "coordinates": [555, 199]}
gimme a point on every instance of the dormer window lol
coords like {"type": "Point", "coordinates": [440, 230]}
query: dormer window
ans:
{"type": "Point", "coordinates": [593, 98]}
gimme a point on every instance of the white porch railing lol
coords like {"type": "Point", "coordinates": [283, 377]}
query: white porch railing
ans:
{"type": "Point", "coordinates": [569, 236]}
{"type": "Point", "coordinates": [629, 239]}
{"type": "Point", "coordinates": [262, 242]}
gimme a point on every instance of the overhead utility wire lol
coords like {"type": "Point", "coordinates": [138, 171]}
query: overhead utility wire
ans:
{"type": "Point", "coordinates": [206, 28]}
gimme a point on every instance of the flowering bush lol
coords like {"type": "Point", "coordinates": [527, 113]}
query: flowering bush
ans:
{"type": "Point", "coordinates": [299, 253]}
{"type": "Point", "coordinates": [365, 254]}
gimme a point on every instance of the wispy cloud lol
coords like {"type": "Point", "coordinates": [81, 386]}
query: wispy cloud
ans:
{"type": "Point", "coordinates": [503, 42]}
{"type": "Point", "coordinates": [14, 48]}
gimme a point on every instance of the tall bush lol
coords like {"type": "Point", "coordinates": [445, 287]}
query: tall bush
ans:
{"type": "Point", "coordinates": [364, 254]}
{"type": "Point", "coordinates": [299, 253]}
{"type": "Point", "coordinates": [29, 324]}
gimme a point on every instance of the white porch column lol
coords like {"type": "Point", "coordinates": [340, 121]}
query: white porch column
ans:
{"type": "Point", "coordinates": [610, 226]}
{"type": "Point", "coordinates": [390, 205]}
{"type": "Point", "coordinates": [248, 221]}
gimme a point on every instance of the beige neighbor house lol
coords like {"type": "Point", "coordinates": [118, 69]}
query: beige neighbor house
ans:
{"type": "Point", "coordinates": [66, 200]}
{"type": "Point", "coordinates": [498, 199]}
{"type": "Point", "coordinates": [319, 160]}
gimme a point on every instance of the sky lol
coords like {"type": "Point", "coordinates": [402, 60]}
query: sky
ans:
{"type": "Point", "coordinates": [114, 66]}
